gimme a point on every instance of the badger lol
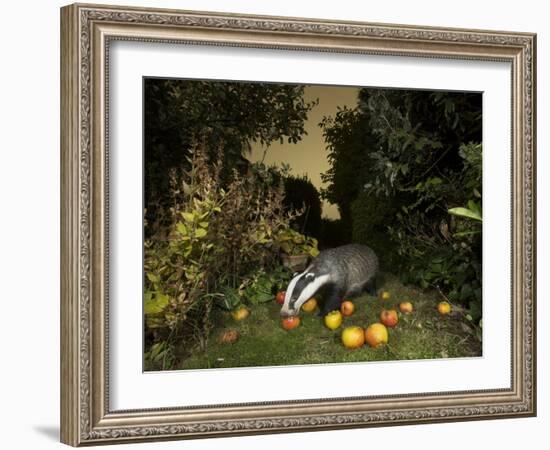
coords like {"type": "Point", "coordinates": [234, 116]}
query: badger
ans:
{"type": "Point", "coordinates": [335, 274]}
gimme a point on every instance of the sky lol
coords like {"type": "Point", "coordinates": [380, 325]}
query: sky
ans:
{"type": "Point", "coordinates": [309, 156]}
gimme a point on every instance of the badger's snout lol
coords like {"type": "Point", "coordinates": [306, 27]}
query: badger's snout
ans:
{"type": "Point", "coordinates": [288, 313]}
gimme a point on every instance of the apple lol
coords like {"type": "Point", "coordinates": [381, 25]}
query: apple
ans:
{"type": "Point", "coordinates": [406, 307]}
{"type": "Point", "coordinates": [290, 322]}
{"type": "Point", "coordinates": [333, 320]}
{"type": "Point", "coordinates": [228, 336]}
{"type": "Point", "coordinates": [310, 305]}
{"type": "Point", "coordinates": [444, 308]}
{"type": "Point", "coordinates": [376, 335]}
{"type": "Point", "coordinates": [347, 308]}
{"type": "Point", "coordinates": [280, 297]}
{"type": "Point", "coordinates": [389, 317]}
{"type": "Point", "coordinates": [384, 295]}
{"type": "Point", "coordinates": [240, 313]}
{"type": "Point", "coordinates": [353, 337]}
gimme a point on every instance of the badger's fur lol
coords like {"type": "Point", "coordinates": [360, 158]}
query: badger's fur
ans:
{"type": "Point", "coordinates": [335, 274]}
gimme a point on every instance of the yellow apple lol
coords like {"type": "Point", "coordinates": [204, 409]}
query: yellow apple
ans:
{"type": "Point", "coordinates": [333, 320]}
{"type": "Point", "coordinates": [444, 308]}
{"type": "Point", "coordinates": [353, 337]}
{"type": "Point", "coordinates": [310, 305]}
{"type": "Point", "coordinates": [240, 313]}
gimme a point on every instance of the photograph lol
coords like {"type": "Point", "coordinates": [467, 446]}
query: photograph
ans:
{"type": "Point", "coordinates": [296, 224]}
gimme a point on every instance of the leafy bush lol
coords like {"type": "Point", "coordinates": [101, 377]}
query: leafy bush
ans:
{"type": "Point", "coordinates": [399, 162]}
{"type": "Point", "coordinates": [232, 113]}
{"type": "Point", "coordinates": [334, 232]}
{"type": "Point", "coordinates": [371, 219]}
{"type": "Point", "coordinates": [293, 243]}
{"type": "Point", "coordinates": [217, 238]}
{"type": "Point", "coordinates": [301, 195]}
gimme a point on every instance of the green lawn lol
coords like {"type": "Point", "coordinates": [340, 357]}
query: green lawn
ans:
{"type": "Point", "coordinates": [423, 334]}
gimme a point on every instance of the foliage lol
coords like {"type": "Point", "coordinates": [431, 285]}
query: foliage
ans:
{"type": "Point", "coordinates": [217, 238]}
{"type": "Point", "coordinates": [471, 212]}
{"type": "Point", "coordinates": [333, 233]}
{"type": "Point", "coordinates": [301, 195]}
{"type": "Point", "coordinates": [233, 113]}
{"type": "Point", "coordinates": [371, 220]}
{"type": "Point", "coordinates": [262, 286]}
{"type": "Point", "coordinates": [421, 158]}
{"type": "Point", "coordinates": [346, 138]}
{"type": "Point", "coordinates": [160, 356]}
{"type": "Point", "coordinates": [292, 242]}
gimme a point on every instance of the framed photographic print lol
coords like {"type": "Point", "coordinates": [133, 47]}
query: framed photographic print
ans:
{"type": "Point", "coordinates": [266, 221]}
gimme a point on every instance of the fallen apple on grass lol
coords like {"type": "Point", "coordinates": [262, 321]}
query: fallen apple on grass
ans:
{"type": "Point", "coordinates": [353, 337]}
{"type": "Point", "coordinates": [384, 295]}
{"type": "Point", "coordinates": [310, 305]}
{"type": "Point", "coordinates": [333, 320]}
{"type": "Point", "coordinates": [444, 308]}
{"type": "Point", "coordinates": [389, 317]}
{"type": "Point", "coordinates": [240, 313]}
{"type": "Point", "coordinates": [376, 335]}
{"type": "Point", "coordinates": [290, 322]}
{"type": "Point", "coordinates": [347, 308]}
{"type": "Point", "coordinates": [228, 336]}
{"type": "Point", "coordinates": [406, 307]}
{"type": "Point", "coordinates": [280, 297]}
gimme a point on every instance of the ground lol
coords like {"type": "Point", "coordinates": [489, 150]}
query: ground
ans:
{"type": "Point", "coordinates": [423, 334]}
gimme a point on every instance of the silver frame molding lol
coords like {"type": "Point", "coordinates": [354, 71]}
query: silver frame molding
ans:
{"type": "Point", "coordinates": [86, 31]}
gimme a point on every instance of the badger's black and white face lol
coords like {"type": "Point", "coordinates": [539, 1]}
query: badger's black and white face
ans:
{"type": "Point", "coordinates": [300, 289]}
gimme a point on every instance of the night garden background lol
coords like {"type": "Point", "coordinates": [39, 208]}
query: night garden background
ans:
{"type": "Point", "coordinates": [233, 188]}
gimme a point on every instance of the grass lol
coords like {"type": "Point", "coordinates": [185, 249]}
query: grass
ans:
{"type": "Point", "coordinates": [423, 334]}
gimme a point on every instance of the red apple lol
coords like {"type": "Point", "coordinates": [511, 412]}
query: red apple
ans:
{"type": "Point", "coordinates": [389, 317]}
{"type": "Point", "coordinates": [290, 322]}
{"type": "Point", "coordinates": [406, 307]}
{"type": "Point", "coordinates": [280, 298]}
{"type": "Point", "coordinates": [347, 308]}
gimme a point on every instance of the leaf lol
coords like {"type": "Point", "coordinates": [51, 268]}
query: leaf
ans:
{"type": "Point", "coordinates": [200, 233]}
{"type": "Point", "coordinates": [189, 217]}
{"type": "Point", "coordinates": [156, 305]}
{"type": "Point", "coordinates": [473, 206]}
{"type": "Point", "coordinates": [466, 233]}
{"type": "Point", "coordinates": [465, 212]}
{"type": "Point", "coordinates": [182, 229]}
{"type": "Point", "coordinates": [152, 277]}
{"type": "Point", "coordinates": [156, 349]}
{"type": "Point", "coordinates": [285, 247]}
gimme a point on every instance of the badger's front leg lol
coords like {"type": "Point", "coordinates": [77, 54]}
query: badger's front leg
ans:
{"type": "Point", "coordinates": [333, 298]}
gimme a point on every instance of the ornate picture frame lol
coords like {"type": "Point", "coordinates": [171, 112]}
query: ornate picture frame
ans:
{"type": "Point", "coordinates": [86, 34]}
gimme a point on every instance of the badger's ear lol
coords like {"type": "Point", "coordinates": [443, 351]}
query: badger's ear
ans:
{"type": "Point", "coordinates": [295, 274]}
{"type": "Point", "coordinates": [310, 275]}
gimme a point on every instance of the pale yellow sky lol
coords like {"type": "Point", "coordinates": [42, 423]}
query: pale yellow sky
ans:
{"type": "Point", "coordinates": [309, 156]}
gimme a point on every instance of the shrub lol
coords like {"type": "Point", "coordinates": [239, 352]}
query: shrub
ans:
{"type": "Point", "coordinates": [301, 195]}
{"type": "Point", "coordinates": [334, 232]}
{"type": "Point", "coordinates": [216, 240]}
{"type": "Point", "coordinates": [371, 219]}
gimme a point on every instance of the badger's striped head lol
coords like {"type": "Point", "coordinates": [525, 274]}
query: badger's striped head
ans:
{"type": "Point", "coordinates": [300, 289]}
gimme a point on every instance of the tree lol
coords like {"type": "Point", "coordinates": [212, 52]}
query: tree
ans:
{"type": "Point", "coordinates": [402, 159]}
{"type": "Point", "coordinates": [228, 115]}
{"type": "Point", "coordinates": [347, 139]}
